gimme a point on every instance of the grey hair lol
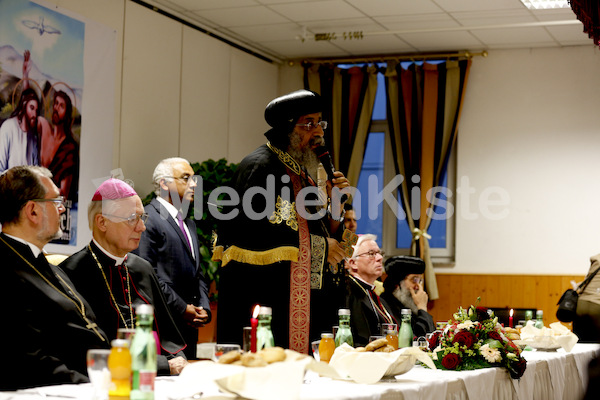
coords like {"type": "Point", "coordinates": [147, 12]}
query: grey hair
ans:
{"type": "Point", "coordinates": [101, 207]}
{"type": "Point", "coordinates": [361, 240]}
{"type": "Point", "coordinates": [163, 170]}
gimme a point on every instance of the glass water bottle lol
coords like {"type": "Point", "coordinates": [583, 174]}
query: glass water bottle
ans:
{"type": "Point", "coordinates": [405, 337]}
{"type": "Point", "coordinates": [344, 333]}
{"type": "Point", "coordinates": [143, 355]}
{"type": "Point", "coordinates": [264, 335]}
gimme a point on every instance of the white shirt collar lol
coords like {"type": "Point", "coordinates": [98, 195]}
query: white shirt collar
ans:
{"type": "Point", "coordinates": [118, 260]}
{"type": "Point", "coordinates": [362, 280]}
{"type": "Point", "coordinates": [169, 207]}
{"type": "Point", "coordinates": [34, 249]}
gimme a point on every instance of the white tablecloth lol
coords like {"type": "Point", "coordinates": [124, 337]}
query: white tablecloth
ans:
{"type": "Point", "coordinates": [549, 376]}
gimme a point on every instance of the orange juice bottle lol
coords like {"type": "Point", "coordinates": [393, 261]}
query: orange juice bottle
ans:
{"type": "Point", "coordinates": [119, 364]}
{"type": "Point", "coordinates": [326, 347]}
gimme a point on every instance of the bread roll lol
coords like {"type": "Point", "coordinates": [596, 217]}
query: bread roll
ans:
{"type": "Point", "coordinates": [375, 344]}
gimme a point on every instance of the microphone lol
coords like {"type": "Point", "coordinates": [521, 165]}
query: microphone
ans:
{"type": "Point", "coordinates": [325, 159]}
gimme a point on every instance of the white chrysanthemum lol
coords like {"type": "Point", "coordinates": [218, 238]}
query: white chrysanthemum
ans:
{"type": "Point", "coordinates": [468, 324]}
{"type": "Point", "coordinates": [490, 355]}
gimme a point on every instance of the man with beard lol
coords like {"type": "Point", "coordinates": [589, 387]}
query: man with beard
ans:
{"type": "Point", "coordinates": [59, 150]}
{"type": "Point", "coordinates": [403, 288]}
{"type": "Point", "coordinates": [48, 325]}
{"type": "Point", "coordinates": [19, 133]}
{"type": "Point", "coordinates": [114, 280]}
{"type": "Point", "coordinates": [367, 310]}
{"type": "Point", "coordinates": [275, 251]}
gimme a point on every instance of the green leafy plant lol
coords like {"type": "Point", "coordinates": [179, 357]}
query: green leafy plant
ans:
{"type": "Point", "coordinates": [214, 174]}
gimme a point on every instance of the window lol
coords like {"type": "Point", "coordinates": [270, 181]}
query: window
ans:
{"type": "Point", "coordinates": [393, 234]}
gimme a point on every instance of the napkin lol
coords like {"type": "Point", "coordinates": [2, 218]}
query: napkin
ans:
{"type": "Point", "coordinates": [370, 367]}
{"type": "Point", "coordinates": [556, 335]}
{"type": "Point", "coordinates": [277, 381]}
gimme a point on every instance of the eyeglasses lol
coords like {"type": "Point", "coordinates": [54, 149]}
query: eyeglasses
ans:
{"type": "Point", "coordinates": [417, 280]}
{"type": "Point", "coordinates": [132, 220]}
{"type": "Point", "coordinates": [371, 254]}
{"type": "Point", "coordinates": [58, 201]}
{"type": "Point", "coordinates": [186, 178]}
{"type": "Point", "coordinates": [309, 126]}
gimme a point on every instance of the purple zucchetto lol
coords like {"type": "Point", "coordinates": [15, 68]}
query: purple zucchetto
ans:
{"type": "Point", "coordinates": [113, 189]}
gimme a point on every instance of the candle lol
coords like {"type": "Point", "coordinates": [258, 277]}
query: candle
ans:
{"type": "Point", "coordinates": [253, 326]}
{"type": "Point", "coordinates": [510, 318]}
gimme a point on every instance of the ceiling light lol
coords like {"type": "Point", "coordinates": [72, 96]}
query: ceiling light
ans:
{"type": "Point", "coordinates": [545, 4]}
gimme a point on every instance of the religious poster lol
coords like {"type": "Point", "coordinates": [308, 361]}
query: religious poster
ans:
{"type": "Point", "coordinates": [41, 91]}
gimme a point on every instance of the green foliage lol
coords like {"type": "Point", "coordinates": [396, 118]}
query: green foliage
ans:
{"type": "Point", "coordinates": [214, 174]}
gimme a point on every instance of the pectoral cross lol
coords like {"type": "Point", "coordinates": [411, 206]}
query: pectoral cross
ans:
{"type": "Point", "coordinates": [93, 326]}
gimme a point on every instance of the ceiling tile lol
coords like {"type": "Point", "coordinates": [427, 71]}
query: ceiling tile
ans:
{"type": "Point", "coordinates": [194, 5]}
{"type": "Point", "coordinates": [434, 41]}
{"type": "Point", "coordinates": [317, 11]}
{"type": "Point", "coordinates": [417, 22]}
{"type": "Point", "coordinates": [479, 5]}
{"type": "Point", "coordinates": [515, 35]}
{"type": "Point", "coordinates": [396, 7]}
{"type": "Point", "coordinates": [242, 16]}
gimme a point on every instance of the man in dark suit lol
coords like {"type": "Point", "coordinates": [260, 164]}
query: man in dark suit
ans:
{"type": "Point", "coordinates": [367, 311]}
{"type": "Point", "coordinates": [47, 324]}
{"type": "Point", "coordinates": [170, 244]}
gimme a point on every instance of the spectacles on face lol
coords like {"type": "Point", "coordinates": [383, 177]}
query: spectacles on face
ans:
{"type": "Point", "coordinates": [417, 280]}
{"type": "Point", "coordinates": [371, 254]}
{"type": "Point", "coordinates": [186, 178]}
{"type": "Point", "coordinates": [132, 220]}
{"type": "Point", "coordinates": [58, 201]}
{"type": "Point", "coordinates": [309, 126]}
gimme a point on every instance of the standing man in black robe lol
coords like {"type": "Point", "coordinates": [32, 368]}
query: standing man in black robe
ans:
{"type": "Point", "coordinates": [116, 281]}
{"type": "Point", "coordinates": [48, 325]}
{"type": "Point", "coordinates": [275, 251]}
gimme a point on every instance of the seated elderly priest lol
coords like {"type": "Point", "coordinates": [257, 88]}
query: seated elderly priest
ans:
{"type": "Point", "coordinates": [368, 310]}
{"type": "Point", "coordinates": [47, 326]}
{"type": "Point", "coordinates": [403, 288]}
{"type": "Point", "coordinates": [115, 281]}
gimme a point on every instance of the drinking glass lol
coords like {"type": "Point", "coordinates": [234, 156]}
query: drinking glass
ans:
{"type": "Point", "coordinates": [98, 372]}
{"type": "Point", "coordinates": [125, 333]}
{"type": "Point", "coordinates": [221, 349]}
{"type": "Point", "coordinates": [246, 338]}
{"type": "Point", "coordinates": [315, 349]}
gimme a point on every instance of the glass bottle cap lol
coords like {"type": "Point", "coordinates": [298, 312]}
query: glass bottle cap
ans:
{"type": "Point", "coordinates": [326, 335]}
{"type": "Point", "coordinates": [343, 311]}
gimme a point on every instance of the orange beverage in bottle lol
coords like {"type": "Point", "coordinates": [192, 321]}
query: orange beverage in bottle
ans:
{"type": "Point", "coordinates": [119, 364]}
{"type": "Point", "coordinates": [326, 347]}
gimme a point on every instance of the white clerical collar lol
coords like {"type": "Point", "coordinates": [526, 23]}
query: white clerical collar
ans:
{"type": "Point", "coordinates": [118, 260]}
{"type": "Point", "coordinates": [365, 282]}
{"type": "Point", "coordinates": [169, 207]}
{"type": "Point", "coordinates": [34, 249]}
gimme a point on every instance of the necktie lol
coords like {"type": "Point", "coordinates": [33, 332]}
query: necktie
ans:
{"type": "Point", "coordinates": [181, 226]}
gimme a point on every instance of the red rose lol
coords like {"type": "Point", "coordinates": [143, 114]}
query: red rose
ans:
{"type": "Point", "coordinates": [495, 335]}
{"type": "Point", "coordinates": [464, 338]}
{"type": "Point", "coordinates": [451, 361]}
{"type": "Point", "coordinates": [482, 314]}
{"type": "Point", "coordinates": [434, 340]}
{"type": "Point", "coordinates": [516, 369]}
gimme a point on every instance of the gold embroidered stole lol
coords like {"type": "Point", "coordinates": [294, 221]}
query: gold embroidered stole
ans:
{"type": "Point", "coordinates": [299, 320]}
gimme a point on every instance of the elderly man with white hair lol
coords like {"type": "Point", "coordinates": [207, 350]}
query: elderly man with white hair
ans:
{"type": "Point", "coordinates": [114, 280]}
{"type": "Point", "coordinates": [368, 310]}
{"type": "Point", "coordinates": [170, 244]}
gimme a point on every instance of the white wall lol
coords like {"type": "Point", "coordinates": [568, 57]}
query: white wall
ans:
{"type": "Point", "coordinates": [530, 126]}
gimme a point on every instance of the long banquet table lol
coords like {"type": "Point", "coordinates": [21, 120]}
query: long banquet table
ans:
{"type": "Point", "coordinates": [549, 376]}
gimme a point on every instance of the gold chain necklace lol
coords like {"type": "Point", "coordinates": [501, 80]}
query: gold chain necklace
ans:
{"type": "Point", "coordinates": [80, 307]}
{"type": "Point", "coordinates": [111, 293]}
{"type": "Point", "coordinates": [382, 311]}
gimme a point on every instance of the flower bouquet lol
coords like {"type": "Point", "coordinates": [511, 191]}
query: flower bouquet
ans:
{"type": "Point", "coordinates": [474, 339]}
